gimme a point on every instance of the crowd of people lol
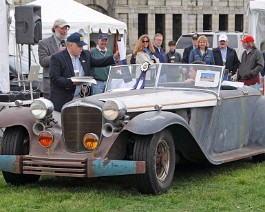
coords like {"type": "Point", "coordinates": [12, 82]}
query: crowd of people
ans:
{"type": "Point", "coordinates": [63, 57]}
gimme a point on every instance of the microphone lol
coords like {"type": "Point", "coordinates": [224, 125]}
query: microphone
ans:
{"type": "Point", "coordinates": [63, 43]}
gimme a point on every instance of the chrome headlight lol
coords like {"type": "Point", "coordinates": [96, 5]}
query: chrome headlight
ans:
{"type": "Point", "coordinates": [41, 108]}
{"type": "Point", "coordinates": [113, 110]}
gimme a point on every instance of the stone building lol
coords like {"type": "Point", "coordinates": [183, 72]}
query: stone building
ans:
{"type": "Point", "coordinates": [171, 17]}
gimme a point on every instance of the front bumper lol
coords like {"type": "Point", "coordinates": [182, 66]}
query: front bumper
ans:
{"type": "Point", "coordinates": [23, 164]}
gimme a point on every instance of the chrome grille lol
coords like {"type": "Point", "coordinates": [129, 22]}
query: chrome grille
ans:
{"type": "Point", "coordinates": [76, 122]}
{"type": "Point", "coordinates": [54, 167]}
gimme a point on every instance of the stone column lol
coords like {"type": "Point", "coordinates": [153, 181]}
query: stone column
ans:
{"type": "Point", "coordinates": [168, 30]}
{"type": "Point", "coordinates": [200, 22]}
{"type": "Point", "coordinates": [185, 20]}
{"type": "Point", "coordinates": [151, 25]}
{"type": "Point", "coordinates": [231, 22]}
{"type": "Point", "coordinates": [215, 22]}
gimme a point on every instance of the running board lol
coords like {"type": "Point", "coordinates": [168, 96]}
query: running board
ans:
{"type": "Point", "coordinates": [245, 152]}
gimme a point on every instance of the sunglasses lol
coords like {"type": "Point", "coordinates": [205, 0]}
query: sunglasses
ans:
{"type": "Point", "coordinates": [145, 41]}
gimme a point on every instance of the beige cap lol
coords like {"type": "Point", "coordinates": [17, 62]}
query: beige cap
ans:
{"type": "Point", "coordinates": [60, 23]}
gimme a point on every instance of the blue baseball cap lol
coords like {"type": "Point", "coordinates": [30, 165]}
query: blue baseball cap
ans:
{"type": "Point", "coordinates": [76, 38]}
{"type": "Point", "coordinates": [103, 37]}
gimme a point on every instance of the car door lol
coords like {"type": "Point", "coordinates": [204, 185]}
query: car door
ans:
{"type": "Point", "coordinates": [231, 123]}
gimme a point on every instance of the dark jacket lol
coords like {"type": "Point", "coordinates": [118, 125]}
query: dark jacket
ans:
{"type": "Point", "coordinates": [251, 65]}
{"type": "Point", "coordinates": [161, 55]}
{"type": "Point", "coordinates": [133, 59]}
{"type": "Point", "coordinates": [175, 56]}
{"type": "Point", "coordinates": [186, 54]}
{"type": "Point", "coordinates": [61, 70]}
{"type": "Point", "coordinates": [232, 62]}
{"type": "Point", "coordinates": [263, 71]}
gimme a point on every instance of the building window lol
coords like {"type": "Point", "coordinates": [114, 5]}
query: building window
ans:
{"type": "Point", "coordinates": [207, 22]}
{"type": "Point", "coordinates": [142, 24]}
{"type": "Point", "coordinates": [223, 22]}
{"type": "Point", "coordinates": [239, 24]}
{"type": "Point", "coordinates": [177, 26]}
{"type": "Point", "coordinates": [160, 25]}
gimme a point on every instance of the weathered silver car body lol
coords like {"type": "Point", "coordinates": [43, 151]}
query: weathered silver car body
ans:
{"type": "Point", "coordinates": [137, 131]}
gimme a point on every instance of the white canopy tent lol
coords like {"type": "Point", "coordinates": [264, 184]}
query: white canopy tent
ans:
{"type": "Point", "coordinates": [256, 22]}
{"type": "Point", "coordinates": [4, 66]}
{"type": "Point", "coordinates": [80, 18]}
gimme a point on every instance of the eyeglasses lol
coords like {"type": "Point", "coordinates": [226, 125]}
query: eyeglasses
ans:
{"type": "Point", "coordinates": [64, 28]}
{"type": "Point", "coordinates": [145, 41]}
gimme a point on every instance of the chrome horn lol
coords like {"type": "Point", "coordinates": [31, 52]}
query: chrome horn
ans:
{"type": "Point", "coordinates": [38, 127]}
{"type": "Point", "coordinates": [107, 130]}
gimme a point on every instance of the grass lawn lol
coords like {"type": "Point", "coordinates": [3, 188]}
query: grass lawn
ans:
{"type": "Point", "coordinates": [237, 186]}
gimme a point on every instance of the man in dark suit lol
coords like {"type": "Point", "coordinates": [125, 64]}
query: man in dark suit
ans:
{"type": "Point", "coordinates": [226, 56]}
{"type": "Point", "coordinates": [73, 61]}
{"type": "Point", "coordinates": [187, 50]}
{"type": "Point", "coordinates": [49, 46]}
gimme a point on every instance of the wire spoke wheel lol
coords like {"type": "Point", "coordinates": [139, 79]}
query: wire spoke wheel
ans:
{"type": "Point", "coordinates": [162, 160]}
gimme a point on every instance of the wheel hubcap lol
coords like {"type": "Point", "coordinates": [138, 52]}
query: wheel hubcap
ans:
{"type": "Point", "coordinates": [162, 160]}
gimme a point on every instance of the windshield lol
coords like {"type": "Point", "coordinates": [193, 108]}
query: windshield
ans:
{"type": "Point", "coordinates": [166, 75]}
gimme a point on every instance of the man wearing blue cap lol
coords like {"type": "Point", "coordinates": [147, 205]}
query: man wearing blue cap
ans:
{"type": "Point", "coordinates": [73, 61]}
{"type": "Point", "coordinates": [100, 73]}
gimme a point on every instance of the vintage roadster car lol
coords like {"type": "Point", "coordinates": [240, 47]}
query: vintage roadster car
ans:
{"type": "Point", "coordinates": [181, 112]}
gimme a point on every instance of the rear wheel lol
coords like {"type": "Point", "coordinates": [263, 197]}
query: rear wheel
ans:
{"type": "Point", "coordinates": [16, 142]}
{"type": "Point", "coordinates": [158, 151]}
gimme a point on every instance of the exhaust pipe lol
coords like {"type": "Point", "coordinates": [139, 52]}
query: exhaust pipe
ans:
{"type": "Point", "coordinates": [38, 127]}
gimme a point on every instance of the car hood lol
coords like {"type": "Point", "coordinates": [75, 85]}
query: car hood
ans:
{"type": "Point", "coordinates": [168, 99]}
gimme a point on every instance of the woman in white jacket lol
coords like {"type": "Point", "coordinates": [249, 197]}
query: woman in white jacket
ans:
{"type": "Point", "coordinates": [144, 51]}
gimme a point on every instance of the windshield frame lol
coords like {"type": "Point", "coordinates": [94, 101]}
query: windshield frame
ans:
{"type": "Point", "coordinates": [126, 74]}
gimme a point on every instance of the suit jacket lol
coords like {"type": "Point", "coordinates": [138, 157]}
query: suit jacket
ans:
{"type": "Point", "coordinates": [232, 62]}
{"type": "Point", "coordinates": [61, 70]}
{"type": "Point", "coordinates": [186, 54]}
{"type": "Point", "coordinates": [46, 48]}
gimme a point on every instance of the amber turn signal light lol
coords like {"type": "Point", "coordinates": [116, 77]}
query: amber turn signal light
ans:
{"type": "Point", "coordinates": [45, 139]}
{"type": "Point", "coordinates": [91, 141]}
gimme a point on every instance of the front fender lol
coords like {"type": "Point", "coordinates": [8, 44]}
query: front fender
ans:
{"type": "Point", "coordinates": [155, 121]}
{"type": "Point", "coordinates": [16, 116]}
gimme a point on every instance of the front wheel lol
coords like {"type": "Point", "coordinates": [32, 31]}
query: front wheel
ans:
{"type": "Point", "coordinates": [158, 151]}
{"type": "Point", "coordinates": [16, 142]}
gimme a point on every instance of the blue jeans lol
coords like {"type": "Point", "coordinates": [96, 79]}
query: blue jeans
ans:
{"type": "Point", "coordinates": [99, 87]}
{"type": "Point", "coordinates": [227, 78]}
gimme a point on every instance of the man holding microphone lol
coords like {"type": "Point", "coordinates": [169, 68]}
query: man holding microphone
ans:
{"type": "Point", "coordinates": [49, 46]}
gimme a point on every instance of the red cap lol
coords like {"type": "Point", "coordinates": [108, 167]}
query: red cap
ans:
{"type": "Point", "coordinates": [248, 38]}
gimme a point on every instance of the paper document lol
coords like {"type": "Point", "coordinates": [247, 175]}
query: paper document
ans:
{"type": "Point", "coordinates": [122, 49]}
{"type": "Point", "coordinates": [234, 84]}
